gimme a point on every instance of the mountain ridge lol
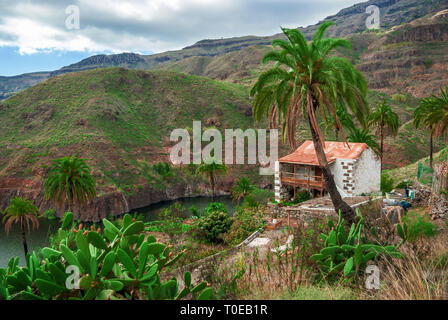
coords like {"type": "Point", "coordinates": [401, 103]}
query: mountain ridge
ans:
{"type": "Point", "coordinates": [347, 21]}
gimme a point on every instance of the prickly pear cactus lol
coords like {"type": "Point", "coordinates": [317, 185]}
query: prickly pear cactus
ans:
{"type": "Point", "coordinates": [118, 262]}
{"type": "Point", "coordinates": [347, 253]}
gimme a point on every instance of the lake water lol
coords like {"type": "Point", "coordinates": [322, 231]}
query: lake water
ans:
{"type": "Point", "coordinates": [150, 212]}
{"type": "Point", "coordinates": [11, 245]}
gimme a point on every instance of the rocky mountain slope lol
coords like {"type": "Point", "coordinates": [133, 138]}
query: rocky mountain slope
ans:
{"type": "Point", "coordinates": [348, 21]}
{"type": "Point", "coordinates": [120, 120]}
{"type": "Point", "coordinates": [409, 58]}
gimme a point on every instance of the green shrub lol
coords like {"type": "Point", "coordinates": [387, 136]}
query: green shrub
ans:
{"type": "Point", "coordinates": [287, 203]}
{"type": "Point", "coordinates": [163, 169]}
{"type": "Point", "coordinates": [214, 225]}
{"type": "Point", "coordinates": [195, 213]}
{"type": "Point", "coordinates": [50, 214]}
{"type": "Point", "coordinates": [262, 196]}
{"type": "Point", "coordinates": [403, 184]}
{"type": "Point", "coordinates": [257, 198]}
{"type": "Point", "coordinates": [418, 227]}
{"type": "Point", "coordinates": [250, 202]}
{"type": "Point", "coordinates": [176, 210]}
{"type": "Point", "coordinates": [398, 97]}
{"type": "Point", "coordinates": [245, 222]}
{"type": "Point", "coordinates": [302, 196]}
{"type": "Point", "coordinates": [387, 183]}
{"type": "Point", "coordinates": [213, 207]}
{"type": "Point", "coordinates": [171, 221]}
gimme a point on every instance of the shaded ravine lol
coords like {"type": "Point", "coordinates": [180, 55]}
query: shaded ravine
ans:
{"type": "Point", "coordinates": [111, 204]}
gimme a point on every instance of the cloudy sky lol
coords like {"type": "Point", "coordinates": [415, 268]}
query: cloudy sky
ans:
{"type": "Point", "coordinates": [44, 35]}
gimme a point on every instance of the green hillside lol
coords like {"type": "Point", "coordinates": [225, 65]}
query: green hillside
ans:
{"type": "Point", "coordinates": [119, 119]}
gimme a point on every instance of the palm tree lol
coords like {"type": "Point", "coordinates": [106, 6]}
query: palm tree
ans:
{"type": "Point", "coordinates": [345, 119]}
{"type": "Point", "coordinates": [306, 80]}
{"type": "Point", "coordinates": [242, 188]}
{"type": "Point", "coordinates": [421, 119]}
{"type": "Point", "coordinates": [21, 211]}
{"type": "Point", "coordinates": [433, 115]}
{"type": "Point", "coordinates": [212, 170]}
{"type": "Point", "coordinates": [382, 118]}
{"type": "Point", "coordinates": [364, 136]}
{"type": "Point", "coordinates": [69, 181]}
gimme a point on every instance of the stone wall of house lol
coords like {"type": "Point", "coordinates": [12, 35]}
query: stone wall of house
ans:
{"type": "Point", "coordinates": [348, 180]}
{"type": "Point", "coordinates": [277, 182]}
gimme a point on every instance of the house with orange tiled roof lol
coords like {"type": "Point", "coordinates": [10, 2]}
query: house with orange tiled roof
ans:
{"type": "Point", "coordinates": [355, 167]}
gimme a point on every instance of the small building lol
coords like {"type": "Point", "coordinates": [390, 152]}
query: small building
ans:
{"type": "Point", "coordinates": [356, 170]}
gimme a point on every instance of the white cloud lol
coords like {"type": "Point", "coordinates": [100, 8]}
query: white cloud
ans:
{"type": "Point", "coordinates": [149, 25]}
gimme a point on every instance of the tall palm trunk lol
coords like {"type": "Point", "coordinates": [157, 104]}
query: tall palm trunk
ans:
{"type": "Point", "coordinates": [347, 212]}
{"type": "Point", "coordinates": [431, 149]}
{"type": "Point", "coordinates": [25, 245]}
{"type": "Point", "coordinates": [212, 185]}
{"type": "Point", "coordinates": [381, 146]}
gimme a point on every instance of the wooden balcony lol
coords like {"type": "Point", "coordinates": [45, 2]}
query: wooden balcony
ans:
{"type": "Point", "coordinates": [302, 180]}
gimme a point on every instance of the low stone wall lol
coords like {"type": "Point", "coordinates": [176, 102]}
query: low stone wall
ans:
{"type": "Point", "coordinates": [198, 265]}
{"type": "Point", "coordinates": [437, 203]}
{"type": "Point", "coordinates": [305, 216]}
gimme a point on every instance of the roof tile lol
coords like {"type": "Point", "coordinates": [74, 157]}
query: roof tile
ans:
{"type": "Point", "coordinates": [306, 154]}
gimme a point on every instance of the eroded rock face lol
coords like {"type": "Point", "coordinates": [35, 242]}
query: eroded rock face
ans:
{"type": "Point", "coordinates": [411, 58]}
{"type": "Point", "coordinates": [422, 33]}
{"type": "Point", "coordinates": [114, 203]}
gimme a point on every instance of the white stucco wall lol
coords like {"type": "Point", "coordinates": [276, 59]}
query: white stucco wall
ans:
{"type": "Point", "coordinates": [358, 176]}
{"type": "Point", "coordinates": [336, 169]}
{"type": "Point", "coordinates": [343, 176]}
{"type": "Point", "coordinates": [367, 173]}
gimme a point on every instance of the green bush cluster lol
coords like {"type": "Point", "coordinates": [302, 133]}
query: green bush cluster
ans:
{"type": "Point", "coordinates": [418, 227]}
{"type": "Point", "coordinates": [302, 196]}
{"type": "Point", "coordinates": [245, 222]}
{"type": "Point", "coordinates": [387, 183]}
{"type": "Point", "coordinates": [214, 207]}
{"type": "Point", "coordinates": [163, 169]}
{"type": "Point", "coordinates": [214, 225]}
{"type": "Point", "coordinates": [403, 184]}
{"type": "Point", "coordinates": [257, 197]}
{"type": "Point", "coordinates": [170, 222]}
{"type": "Point", "coordinates": [194, 212]}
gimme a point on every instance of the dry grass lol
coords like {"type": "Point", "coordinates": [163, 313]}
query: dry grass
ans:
{"type": "Point", "coordinates": [263, 274]}
{"type": "Point", "coordinates": [420, 275]}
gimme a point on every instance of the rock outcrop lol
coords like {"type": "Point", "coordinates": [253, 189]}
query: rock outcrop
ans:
{"type": "Point", "coordinates": [114, 203]}
{"type": "Point", "coordinates": [438, 204]}
{"type": "Point", "coordinates": [409, 58]}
